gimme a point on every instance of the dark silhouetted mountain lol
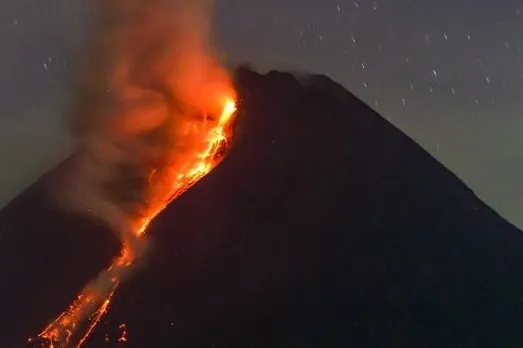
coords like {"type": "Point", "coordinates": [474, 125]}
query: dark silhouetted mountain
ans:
{"type": "Point", "coordinates": [324, 227]}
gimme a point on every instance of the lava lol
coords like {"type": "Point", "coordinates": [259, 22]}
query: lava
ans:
{"type": "Point", "coordinates": [62, 331]}
{"type": "Point", "coordinates": [153, 115]}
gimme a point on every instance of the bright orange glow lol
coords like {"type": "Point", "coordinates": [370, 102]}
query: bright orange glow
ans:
{"type": "Point", "coordinates": [68, 328]}
{"type": "Point", "coordinates": [154, 102]}
{"type": "Point", "coordinates": [123, 334]}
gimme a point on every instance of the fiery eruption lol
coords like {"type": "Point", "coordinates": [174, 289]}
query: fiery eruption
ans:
{"type": "Point", "coordinates": [152, 117]}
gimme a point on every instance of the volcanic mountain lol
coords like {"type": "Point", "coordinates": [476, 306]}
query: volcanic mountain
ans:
{"type": "Point", "coordinates": [324, 227]}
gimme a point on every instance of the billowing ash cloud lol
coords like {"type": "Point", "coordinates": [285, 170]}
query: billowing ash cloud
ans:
{"type": "Point", "coordinates": [150, 71]}
{"type": "Point", "coordinates": [149, 95]}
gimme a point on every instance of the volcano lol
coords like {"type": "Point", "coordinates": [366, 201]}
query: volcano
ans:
{"type": "Point", "coordinates": [325, 226]}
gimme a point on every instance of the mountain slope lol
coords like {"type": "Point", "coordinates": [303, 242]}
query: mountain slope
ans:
{"type": "Point", "coordinates": [46, 257]}
{"type": "Point", "coordinates": [324, 227]}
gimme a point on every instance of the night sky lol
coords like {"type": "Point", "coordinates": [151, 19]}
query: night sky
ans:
{"type": "Point", "coordinates": [448, 72]}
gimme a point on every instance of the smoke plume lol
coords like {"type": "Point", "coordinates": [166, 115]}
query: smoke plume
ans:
{"type": "Point", "coordinates": [149, 73]}
{"type": "Point", "coordinates": [150, 93]}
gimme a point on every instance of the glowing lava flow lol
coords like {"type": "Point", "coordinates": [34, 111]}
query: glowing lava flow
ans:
{"type": "Point", "coordinates": [93, 303]}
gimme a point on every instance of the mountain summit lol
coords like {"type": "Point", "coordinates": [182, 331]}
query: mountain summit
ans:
{"type": "Point", "coordinates": [325, 226]}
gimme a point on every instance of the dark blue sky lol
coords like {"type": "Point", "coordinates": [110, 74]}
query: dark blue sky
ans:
{"type": "Point", "coordinates": [448, 73]}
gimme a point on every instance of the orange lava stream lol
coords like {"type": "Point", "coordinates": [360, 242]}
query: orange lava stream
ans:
{"type": "Point", "coordinates": [92, 303]}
